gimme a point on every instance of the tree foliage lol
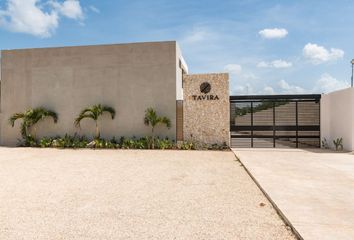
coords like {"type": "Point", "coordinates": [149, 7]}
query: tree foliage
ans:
{"type": "Point", "coordinates": [30, 118]}
{"type": "Point", "coordinates": [94, 113]}
{"type": "Point", "coordinates": [152, 119]}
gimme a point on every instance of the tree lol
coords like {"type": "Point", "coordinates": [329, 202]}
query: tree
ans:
{"type": "Point", "coordinates": [152, 119]}
{"type": "Point", "coordinates": [30, 118]}
{"type": "Point", "coordinates": [94, 113]}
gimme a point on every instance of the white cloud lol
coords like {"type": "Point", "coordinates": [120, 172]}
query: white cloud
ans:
{"type": "Point", "coordinates": [249, 76]}
{"type": "Point", "coordinates": [238, 73]}
{"type": "Point", "coordinates": [275, 64]}
{"type": "Point", "coordinates": [31, 16]}
{"type": "Point", "coordinates": [327, 84]}
{"type": "Point", "coordinates": [70, 9]}
{"type": "Point", "coordinates": [233, 68]}
{"type": "Point", "coordinates": [247, 89]}
{"type": "Point", "coordinates": [273, 33]}
{"type": "Point", "coordinates": [263, 64]}
{"type": "Point", "coordinates": [287, 88]}
{"type": "Point", "coordinates": [197, 35]}
{"type": "Point", "coordinates": [243, 90]}
{"type": "Point", "coordinates": [94, 9]}
{"type": "Point", "coordinates": [319, 54]}
{"type": "Point", "coordinates": [268, 90]}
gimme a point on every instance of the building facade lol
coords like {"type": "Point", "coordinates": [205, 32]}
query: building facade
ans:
{"type": "Point", "coordinates": [133, 77]}
{"type": "Point", "coordinates": [128, 77]}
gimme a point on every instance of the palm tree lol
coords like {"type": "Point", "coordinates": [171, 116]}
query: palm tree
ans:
{"type": "Point", "coordinates": [94, 113]}
{"type": "Point", "coordinates": [30, 118]}
{"type": "Point", "coordinates": [152, 119]}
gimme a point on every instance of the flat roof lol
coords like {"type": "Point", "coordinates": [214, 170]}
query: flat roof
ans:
{"type": "Point", "coordinates": [93, 45]}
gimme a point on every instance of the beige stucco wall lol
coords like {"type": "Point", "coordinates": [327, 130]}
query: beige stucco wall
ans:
{"type": "Point", "coordinates": [128, 77]}
{"type": "Point", "coordinates": [206, 121]}
{"type": "Point", "coordinates": [337, 119]}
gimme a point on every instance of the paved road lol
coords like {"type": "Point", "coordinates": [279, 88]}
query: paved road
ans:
{"type": "Point", "coordinates": [113, 194]}
{"type": "Point", "coordinates": [314, 189]}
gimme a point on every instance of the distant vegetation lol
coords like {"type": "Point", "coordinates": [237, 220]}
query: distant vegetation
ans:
{"type": "Point", "coordinates": [257, 108]}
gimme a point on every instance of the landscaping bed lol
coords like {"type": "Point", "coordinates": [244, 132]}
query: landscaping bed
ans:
{"type": "Point", "coordinates": [32, 116]}
{"type": "Point", "coordinates": [77, 141]}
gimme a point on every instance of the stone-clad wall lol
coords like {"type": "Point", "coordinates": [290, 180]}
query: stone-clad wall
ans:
{"type": "Point", "coordinates": [206, 114]}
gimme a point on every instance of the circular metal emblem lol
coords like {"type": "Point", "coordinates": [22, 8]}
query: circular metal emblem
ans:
{"type": "Point", "coordinates": [205, 87]}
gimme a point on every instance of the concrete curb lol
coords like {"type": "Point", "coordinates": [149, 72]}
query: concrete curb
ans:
{"type": "Point", "coordinates": [277, 209]}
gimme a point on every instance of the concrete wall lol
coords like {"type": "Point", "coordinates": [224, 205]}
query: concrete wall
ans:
{"type": "Point", "coordinates": [128, 77]}
{"type": "Point", "coordinates": [337, 119]}
{"type": "Point", "coordinates": [206, 119]}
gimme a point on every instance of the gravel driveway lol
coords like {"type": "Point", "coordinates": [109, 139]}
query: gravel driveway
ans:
{"type": "Point", "coordinates": [117, 194]}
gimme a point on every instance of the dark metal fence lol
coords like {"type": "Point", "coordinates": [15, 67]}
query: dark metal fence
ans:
{"type": "Point", "coordinates": [275, 121]}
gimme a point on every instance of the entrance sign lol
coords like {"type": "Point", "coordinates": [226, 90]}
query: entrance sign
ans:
{"type": "Point", "coordinates": [205, 88]}
{"type": "Point", "coordinates": [206, 108]}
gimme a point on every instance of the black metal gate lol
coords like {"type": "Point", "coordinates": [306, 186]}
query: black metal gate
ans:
{"type": "Point", "coordinates": [275, 121]}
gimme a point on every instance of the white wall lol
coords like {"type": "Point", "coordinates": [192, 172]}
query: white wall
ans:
{"type": "Point", "coordinates": [337, 117]}
{"type": "Point", "coordinates": [179, 73]}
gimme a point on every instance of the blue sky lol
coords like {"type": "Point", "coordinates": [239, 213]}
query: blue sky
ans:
{"type": "Point", "coordinates": [267, 46]}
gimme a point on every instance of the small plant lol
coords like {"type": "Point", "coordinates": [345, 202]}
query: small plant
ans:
{"type": "Point", "coordinates": [45, 142]}
{"type": "Point", "coordinates": [94, 113]}
{"type": "Point", "coordinates": [79, 142]}
{"type": "Point", "coordinates": [28, 141]}
{"type": "Point", "coordinates": [127, 143]}
{"type": "Point", "coordinates": [142, 143]}
{"type": "Point", "coordinates": [134, 143]}
{"type": "Point", "coordinates": [217, 146]}
{"type": "Point", "coordinates": [64, 142]}
{"type": "Point", "coordinates": [338, 143]}
{"type": "Point", "coordinates": [104, 144]}
{"type": "Point", "coordinates": [187, 145]}
{"type": "Point", "coordinates": [164, 143]}
{"type": "Point", "coordinates": [324, 143]}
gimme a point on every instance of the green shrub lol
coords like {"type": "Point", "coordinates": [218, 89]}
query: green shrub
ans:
{"type": "Point", "coordinates": [28, 141]}
{"type": "Point", "coordinates": [80, 142]}
{"type": "Point", "coordinates": [217, 146]}
{"type": "Point", "coordinates": [124, 143]}
{"type": "Point", "coordinates": [104, 144]}
{"type": "Point", "coordinates": [142, 143]}
{"type": "Point", "coordinates": [114, 141]}
{"type": "Point", "coordinates": [45, 142]}
{"type": "Point", "coordinates": [67, 141]}
{"type": "Point", "coordinates": [127, 143]}
{"type": "Point", "coordinates": [164, 143]}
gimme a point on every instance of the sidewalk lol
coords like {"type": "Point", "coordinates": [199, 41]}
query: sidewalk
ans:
{"type": "Point", "coordinates": [313, 189]}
